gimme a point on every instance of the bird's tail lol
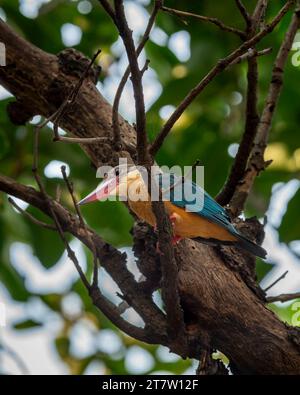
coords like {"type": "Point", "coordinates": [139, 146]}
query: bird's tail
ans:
{"type": "Point", "coordinates": [250, 246]}
{"type": "Point", "coordinates": [242, 243]}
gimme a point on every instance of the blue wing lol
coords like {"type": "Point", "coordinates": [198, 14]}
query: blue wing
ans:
{"type": "Point", "coordinates": [184, 198]}
{"type": "Point", "coordinates": [208, 209]}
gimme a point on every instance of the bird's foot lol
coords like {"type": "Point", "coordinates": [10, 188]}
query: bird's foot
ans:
{"type": "Point", "coordinates": [176, 239]}
{"type": "Point", "coordinates": [173, 219]}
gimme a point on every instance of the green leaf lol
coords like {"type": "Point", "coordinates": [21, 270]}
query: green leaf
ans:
{"type": "Point", "coordinates": [289, 229]}
{"type": "Point", "coordinates": [13, 282]}
{"type": "Point", "coordinates": [27, 324]}
{"type": "Point", "coordinates": [46, 244]}
{"type": "Point", "coordinates": [262, 269]}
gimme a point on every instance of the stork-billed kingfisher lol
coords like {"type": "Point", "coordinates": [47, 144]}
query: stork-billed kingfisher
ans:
{"type": "Point", "coordinates": [209, 224]}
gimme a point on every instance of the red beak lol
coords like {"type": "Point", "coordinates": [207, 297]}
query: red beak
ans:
{"type": "Point", "coordinates": [102, 192]}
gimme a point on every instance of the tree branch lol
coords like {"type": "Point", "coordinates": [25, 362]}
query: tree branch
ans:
{"type": "Point", "coordinates": [281, 277]}
{"type": "Point", "coordinates": [216, 70]}
{"type": "Point", "coordinates": [215, 21]}
{"type": "Point", "coordinates": [136, 77]}
{"type": "Point", "coordinates": [31, 217]}
{"type": "Point", "coordinates": [256, 162]}
{"type": "Point", "coordinates": [252, 117]}
{"type": "Point", "coordinates": [259, 12]}
{"type": "Point", "coordinates": [108, 8]}
{"type": "Point", "coordinates": [283, 297]}
{"type": "Point", "coordinates": [243, 12]}
{"type": "Point", "coordinates": [116, 103]}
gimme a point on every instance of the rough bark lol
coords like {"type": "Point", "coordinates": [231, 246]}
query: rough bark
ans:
{"type": "Point", "coordinates": [223, 308]}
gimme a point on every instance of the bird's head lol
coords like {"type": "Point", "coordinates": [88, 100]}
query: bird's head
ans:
{"type": "Point", "coordinates": [117, 182]}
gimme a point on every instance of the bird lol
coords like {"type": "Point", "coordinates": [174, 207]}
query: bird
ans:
{"type": "Point", "coordinates": [209, 223]}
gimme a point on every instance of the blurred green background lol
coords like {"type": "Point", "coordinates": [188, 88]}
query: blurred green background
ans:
{"type": "Point", "coordinates": [50, 321]}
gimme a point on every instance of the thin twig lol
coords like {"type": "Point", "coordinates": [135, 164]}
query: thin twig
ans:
{"type": "Point", "coordinates": [31, 217]}
{"type": "Point", "coordinates": [81, 140]}
{"type": "Point", "coordinates": [108, 8]}
{"type": "Point", "coordinates": [145, 67]}
{"type": "Point", "coordinates": [283, 297]}
{"type": "Point", "coordinates": [114, 315]}
{"type": "Point", "coordinates": [60, 112]}
{"type": "Point", "coordinates": [82, 223]}
{"type": "Point", "coordinates": [215, 21]}
{"type": "Point", "coordinates": [72, 96]}
{"type": "Point", "coordinates": [71, 192]}
{"type": "Point", "coordinates": [70, 252]}
{"type": "Point", "coordinates": [259, 12]}
{"type": "Point", "coordinates": [252, 116]}
{"type": "Point", "coordinates": [136, 78]}
{"type": "Point", "coordinates": [58, 193]}
{"type": "Point", "coordinates": [116, 103]}
{"type": "Point", "coordinates": [243, 11]}
{"type": "Point", "coordinates": [250, 54]}
{"type": "Point", "coordinates": [216, 70]}
{"type": "Point", "coordinates": [276, 281]}
{"type": "Point", "coordinates": [50, 203]}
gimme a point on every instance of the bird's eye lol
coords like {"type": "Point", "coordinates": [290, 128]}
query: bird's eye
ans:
{"type": "Point", "coordinates": [117, 172]}
{"type": "Point", "coordinates": [105, 175]}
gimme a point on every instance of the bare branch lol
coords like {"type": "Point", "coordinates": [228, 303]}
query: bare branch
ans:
{"type": "Point", "coordinates": [216, 70]}
{"type": "Point", "coordinates": [31, 217]}
{"type": "Point", "coordinates": [116, 103]}
{"type": "Point", "coordinates": [250, 54]}
{"type": "Point", "coordinates": [136, 77]}
{"type": "Point", "coordinates": [83, 140]}
{"type": "Point", "coordinates": [49, 203]}
{"type": "Point", "coordinates": [215, 21]}
{"type": "Point", "coordinates": [252, 118]}
{"type": "Point", "coordinates": [243, 11]}
{"type": "Point", "coordinates": [276, 281]}
{"type": "Point", "coordinates": [283, 297]}
{"type": "Point", "coordinates": [82, 223]}
{"type": "Point", "coordinates": [108, 8]}
{"type": "Point", "coordinates": [259, 12]}
{"type": "Point", "coordinates": [113, 314]}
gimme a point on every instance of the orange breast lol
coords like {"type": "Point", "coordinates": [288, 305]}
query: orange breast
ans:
{"type": "Point", "coordinates": [187, 224]}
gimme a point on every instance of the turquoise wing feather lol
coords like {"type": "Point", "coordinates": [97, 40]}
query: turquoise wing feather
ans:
{"type": "Point", "coordinates": [210, 209]}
